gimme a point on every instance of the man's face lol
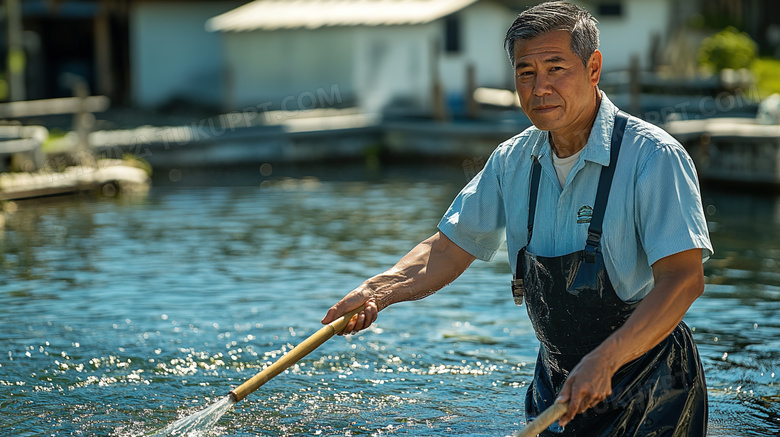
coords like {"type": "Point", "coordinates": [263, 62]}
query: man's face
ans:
{"type": "Point", "coordinates": [557, 92]}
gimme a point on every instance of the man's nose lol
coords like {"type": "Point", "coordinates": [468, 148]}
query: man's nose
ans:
{"type": "Point", "coordinates": [542, 86]}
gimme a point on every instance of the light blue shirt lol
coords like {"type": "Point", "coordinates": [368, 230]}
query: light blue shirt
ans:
{"type": "Point", "coordinates": [654, 208]}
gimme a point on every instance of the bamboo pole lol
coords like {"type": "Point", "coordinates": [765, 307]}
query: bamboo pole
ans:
{"type": "Point", "coordinates": [544, 420]}
{"type": "Point", "coordinates": [290, 358]}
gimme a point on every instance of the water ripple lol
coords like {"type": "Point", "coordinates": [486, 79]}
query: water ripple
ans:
{"type": "Point", "coordinates": [120, 317]}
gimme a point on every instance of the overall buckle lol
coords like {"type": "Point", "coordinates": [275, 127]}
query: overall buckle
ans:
{"type": "Point", "coordinates": [518, 291]}
{"type": "Point", "coordinates": [592, 246]}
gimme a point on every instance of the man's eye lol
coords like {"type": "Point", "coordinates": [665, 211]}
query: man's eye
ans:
{"type": "Point", "coordinates": [525, 73]}
{"type": "Point", "coordinates": [556, 68]}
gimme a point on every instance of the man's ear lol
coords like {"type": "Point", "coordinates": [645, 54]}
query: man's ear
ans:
{"type": "Point", "coordinates": [594, 68]}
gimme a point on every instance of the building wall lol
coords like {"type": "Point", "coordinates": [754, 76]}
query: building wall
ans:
{"type": "Point", "coordinates": [483, 27]}
{"type": "Point", "coordinates": [397, 64]}
{"type": "Point", "coordinates": [173, 56]}
{"type": "Point", "coordinates": [633, 32]}
{"type": "Point", "coordinates": [630, 33]}
{"type": "Point", "coordinates": [393, 65]}
{"type": "Point", "coordinates": [367, 66]}
{"type": "Point", "coordinates": [373, 67]}
{"type": "Point", "coordinates": [268, 68]}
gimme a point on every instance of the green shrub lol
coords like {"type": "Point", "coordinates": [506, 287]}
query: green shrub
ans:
{"type": "Point", "coordinates": [728, 48]}
{"type": "Point", "coordinates": [766, 72]}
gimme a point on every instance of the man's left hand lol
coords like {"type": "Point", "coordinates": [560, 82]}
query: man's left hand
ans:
{"type": "Point", "coordinates": [589, 383]}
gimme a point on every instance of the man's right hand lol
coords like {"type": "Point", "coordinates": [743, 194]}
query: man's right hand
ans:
{"type": "Point", "coordinates": [429, 266]}
{"type": "Point", "coordinates": [354, 299]}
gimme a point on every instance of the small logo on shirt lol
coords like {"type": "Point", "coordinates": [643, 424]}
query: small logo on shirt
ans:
{"type": "Point", "coordinates": [584, 214]}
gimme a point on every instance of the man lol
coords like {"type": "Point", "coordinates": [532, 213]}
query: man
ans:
{"type": "Point", "coordinates": [606, 234]}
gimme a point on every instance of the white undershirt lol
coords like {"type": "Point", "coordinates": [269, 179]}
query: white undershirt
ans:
{"type": "Point", "coordinates": [563, 166]}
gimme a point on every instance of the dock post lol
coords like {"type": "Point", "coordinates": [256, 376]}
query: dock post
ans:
{"type": "Point", "coordinates": [16, 56]}
{"type": "Point", "coordinates": [472, 108]}
{"type": "Point", "coordinates": [83, 121]}
{"type": "Point", "coordinates": [635, 86]}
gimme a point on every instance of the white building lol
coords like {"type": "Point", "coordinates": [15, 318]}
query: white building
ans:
{"type": "Point", "coordinates": [631, 27]}
{"type": "Point", "coordinates": [171, 54]}
{"type": "Point", "coordinates": [371, 53]}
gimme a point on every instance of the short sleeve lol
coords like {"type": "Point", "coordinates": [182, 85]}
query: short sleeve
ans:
{"type": "Point", "coordinates": [669, 210]}
{"type": "Point", "coordinates": [476, 221]}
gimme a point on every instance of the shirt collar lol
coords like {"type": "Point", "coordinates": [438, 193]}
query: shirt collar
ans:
{"type": "Point", "coordinates": [597, 147]}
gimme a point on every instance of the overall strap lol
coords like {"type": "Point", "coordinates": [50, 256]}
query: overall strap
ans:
{"type": "Point", "coordinates": [605, 183]}
{"type": "Point", "coordinates": [536, 173]}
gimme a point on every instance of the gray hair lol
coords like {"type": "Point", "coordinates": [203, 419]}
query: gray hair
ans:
{"type": "Point", "coordinates": [555, 15]}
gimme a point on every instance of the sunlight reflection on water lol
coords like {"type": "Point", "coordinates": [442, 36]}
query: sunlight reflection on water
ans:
{"type": "Point", "coordinates": [118, 317]}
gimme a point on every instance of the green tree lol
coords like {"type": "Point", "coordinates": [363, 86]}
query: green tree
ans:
{"type": "Point", "coordinates": [728, 48]}
{"type": "Point", "coordinates": [766, 72]}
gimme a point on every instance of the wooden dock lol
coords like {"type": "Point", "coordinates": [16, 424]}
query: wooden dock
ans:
{"type": "Point", "coordinates": [107, 178]}
{"type": "Point", "coordinates": [732, 150]}
{"type": "Point", "coordinates": [729, 150]}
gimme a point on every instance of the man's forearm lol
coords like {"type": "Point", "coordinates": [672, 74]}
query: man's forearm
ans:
{"type": "Point", "coordinates": [427, 268]}
{"type": "Point", "coordinates": [659, 312]}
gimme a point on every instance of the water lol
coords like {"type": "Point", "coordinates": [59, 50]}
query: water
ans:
{"type": "Point", "coordinates": [199, 423]}
{"type": "Point", "coordinates": [118, 317]}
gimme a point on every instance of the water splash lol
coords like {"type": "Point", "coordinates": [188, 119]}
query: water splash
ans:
{"type": "Point", "coordinates": [198, 424]}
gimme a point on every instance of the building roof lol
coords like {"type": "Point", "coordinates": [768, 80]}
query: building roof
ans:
{"type": "Point", "coordinates": [313, 14]}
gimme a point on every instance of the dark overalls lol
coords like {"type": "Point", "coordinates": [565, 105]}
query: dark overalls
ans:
{"type": "Point", "coordinates": [574, 308]}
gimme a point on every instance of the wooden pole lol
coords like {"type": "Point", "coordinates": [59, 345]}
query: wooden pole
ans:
{"type": "Point", "coordinates": [544, 420]}
{"type": "Point", "coordinates": [290, 358]}
{"type": "Point", "coordinates": [103, 52]}
{"type": "Point", "coordinates": [16, 56]}
{"type": "Point", "coordinates": [635, 86]}
{"type": "Point", "coordinates": [437, 90]}
{"type": "Point", "coordinates": [472, 107]}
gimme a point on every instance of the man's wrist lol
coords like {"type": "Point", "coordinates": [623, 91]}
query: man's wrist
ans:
{"type": "Point", "coordinates": [372, 293]}
{"type": "Point", "coordinates": [611, 354]}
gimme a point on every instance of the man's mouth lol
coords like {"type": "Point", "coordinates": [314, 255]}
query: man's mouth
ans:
{"type": "Point", "coordinates": [545, 108]}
